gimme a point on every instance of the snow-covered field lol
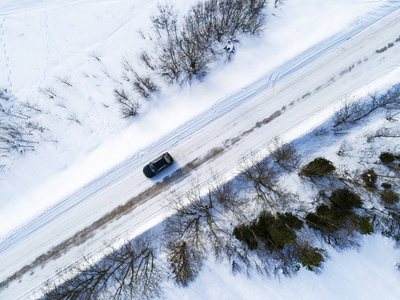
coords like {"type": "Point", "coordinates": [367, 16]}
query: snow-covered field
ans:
{"type": "Point", "coordinates": [299, 63]}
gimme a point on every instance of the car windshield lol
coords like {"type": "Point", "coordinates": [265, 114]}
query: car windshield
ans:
{"type": "Point", "coordinates": [152, 168]}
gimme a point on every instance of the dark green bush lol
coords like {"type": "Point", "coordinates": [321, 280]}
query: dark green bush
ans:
{"type": "Point", "coordinates": [276, 234]}
{"type": "Point", "coordinates": [387, 158]}
{"type": "Point", "coordinates": [323, 219]}
{"type": "Point", "coordinates": [243, 233]}
{"type": "Point", "coordinates": [369, 177]}
{"type": "Point", "coordinates": [279, 237]}
{"type": "Point", "coordinates": [345, 200]}
{"type": "Point", "coordinates": [389, 197]}
{"type": "Point", "coordinates": [292, 221]}
{"type": "Point", "coordinates": [330, 219]}
{"type": "Point", "coordinates": [318, 167]}
{"type": "Point", "coordinates": [274, 231]}
{"type": "Point", "coordinates": [261, 226]}
{"type": "Point", "coordinates": [386, 186]}
{"type": "Point", "coordinates": [312, 258]}
{"type": "Point", "coordinates": [363, 223]}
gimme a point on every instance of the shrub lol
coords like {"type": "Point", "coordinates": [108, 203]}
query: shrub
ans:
{"type": "Point", "coordinates": [316, 222]}
{"type": "Point", "coordinates": [364, 225]}
{"type": "Point", "coordinates": [129, 107]}
{"type": "Point", "coordinates": [369, 177]}
{"type": "Point", "coordinates": [291, 220]}
{"type": "Point", "coordinates": [274, 231]}
{"type": "Point", "coordinates": [323, 219]}
{"type": "Point", "coordinates": [312, 258]}
{"type": "Point", "coordinates": [330, 219]}
{"type": "Point", "coordinates": [345, 200]}
{"type": "Point", "coordinates": [244, 233]}
{"type": "Point", "coordinates": [389, 197]}
{"type": "Point", "coordinates": [381, 50]}
{"type": "Point", "coordinates": [279, 236]}
{"type": "Point", "coordinates": [387, 158]}
{"type": "Point", "coordinates": [318, 167]}
{"type": "Point", "coordinates": [144, 85]}
{"type": "Point", "coordinates": [386, 186]}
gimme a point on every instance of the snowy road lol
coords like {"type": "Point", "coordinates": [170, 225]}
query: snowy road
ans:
{"type": "Point", "coordinates": [296, 97]}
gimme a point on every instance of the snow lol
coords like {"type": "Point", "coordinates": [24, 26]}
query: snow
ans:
{"type": "Point", "coordinates": [61, 188]}
{"type": "Point", "coordinates": [364, 274]}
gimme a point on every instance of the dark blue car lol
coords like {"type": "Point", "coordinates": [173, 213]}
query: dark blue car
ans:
{"type": "Point", "coordinates": [159, 164]}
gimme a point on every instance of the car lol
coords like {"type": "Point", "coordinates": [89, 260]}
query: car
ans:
{"type": "Point", "coordinates": [158, 165]}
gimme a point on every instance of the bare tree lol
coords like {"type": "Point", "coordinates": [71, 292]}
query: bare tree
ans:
{"type": "Point", "coordinates": [226, 200]}
{"type": "Point", "coordinates": [192, 214]}
{"type": "Point", "coordinates": [129, 107]}
{"type": "Point", "coordinates": [240, 257]}
{"type": "Point", "coordinates": [383, 132]}
{"type": "Point", "coordinates": [19, 133]}
{"type": "Point", "coordinates": [285, 155]}
{"type": "Point", "coordinates": [137, 273]}
{"type": "Point", "coordinates": [346, 114]}
{"type": "Point", "coordinates": [388, 222]}
{"type": "Point", "coordinates": [31, 106]}
{"type": "Point", "coordinates": [49, 92]}
{"type": "Point", "coordinates": [261, 178]}
{"type": "Point", "coordinates": [146, 60]}
{"type": "Point", "coordinates": [193, 54]}
{"type": "Point", "coordinates": [389, 100]}
{"type": "Point", "coordinates": [184, 53]}
{"type": "Point", "coordinates": [72, 117]}
{"type": "Point", "coordinates": [65, 80]}
{"type": "Point", "coordinates": [144, 85]}
{"type": "Point", "coordinates": [185, 262]}
{"type": "Point", "coordinates": [131, 271]}
{"type": "Point", "coordinates": [354, 112]}
{"type": "Point", "coordinates": [89, 283]}
{"type": "Point", "coordinates": [197, 226]}
{"type": "Point", "coordinates": [199, 221]}
{"type": "Point", "coordinates": [166, 57]}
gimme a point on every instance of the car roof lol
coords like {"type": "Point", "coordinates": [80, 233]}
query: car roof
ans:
{"type": "Point", "coordinates": [159, 162]}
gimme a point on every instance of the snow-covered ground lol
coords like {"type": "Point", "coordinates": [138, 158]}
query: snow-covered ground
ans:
{"type": "Point", "coordinates": [299, 63]}
{"type": "Point", "coordinates": [365, 274]}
